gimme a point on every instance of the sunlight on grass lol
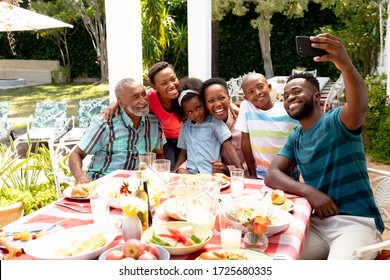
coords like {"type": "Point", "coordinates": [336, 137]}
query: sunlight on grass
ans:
{"type": "Point", "coordinates": [23, 100]}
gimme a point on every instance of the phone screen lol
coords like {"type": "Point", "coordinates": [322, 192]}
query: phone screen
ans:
{"type": "Point", "coordinates": [303, 45]}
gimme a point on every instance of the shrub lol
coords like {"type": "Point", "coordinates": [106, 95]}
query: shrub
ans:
{"type": "Point", "coordinates": [20, 178]}
{"type": "Point", "coordinates": [377, 128]}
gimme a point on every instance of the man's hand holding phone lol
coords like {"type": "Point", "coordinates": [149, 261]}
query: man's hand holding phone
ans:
{"type": "Point", "coordinates": [303, 45]}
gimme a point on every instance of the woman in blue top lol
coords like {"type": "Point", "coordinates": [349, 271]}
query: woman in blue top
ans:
{"type": "Point", "coordinates": [201, 135]}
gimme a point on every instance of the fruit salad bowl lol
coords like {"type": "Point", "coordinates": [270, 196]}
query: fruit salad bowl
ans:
{"type": "Point", "coordinates": [178, 238]}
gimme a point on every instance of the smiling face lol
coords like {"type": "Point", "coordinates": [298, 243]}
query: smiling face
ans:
{"type": "Point", "coordinates": [256, 91]}
{"type": "Point", "coordinates": [300, 98]}
{"type": "Point", "coordinates": [217, 101]}
{"type": "Point", "coordinates": [133, 100]}
{"type": "Point", "coordinates": [166, 84]}
{"type": "Point", "coordinates": [194, 109]}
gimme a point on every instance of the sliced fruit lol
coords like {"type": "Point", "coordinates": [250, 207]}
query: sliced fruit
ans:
{"type": "Point", "coordinates": [195, 239]}
{"type": "Point", "coordinates": [25, 236]}
{"type": "Point", "coordinates": [163, 241]}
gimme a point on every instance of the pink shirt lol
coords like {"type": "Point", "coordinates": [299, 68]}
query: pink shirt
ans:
{"type": "Point", "coordinates": [169, 121]}
{"type": "Point", "coordinates": [236, 140]}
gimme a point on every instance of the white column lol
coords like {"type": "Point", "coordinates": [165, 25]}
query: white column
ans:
{"type": "Point", "coordinates": [387, 49]}
{"type": "Point", "coordinates": [124, 41]}
{"type": "Point", "coordinates": [199, 38]}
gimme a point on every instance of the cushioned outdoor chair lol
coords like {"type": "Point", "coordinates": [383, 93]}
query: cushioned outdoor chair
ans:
{"type": "Point", "coordinates": [5, 125]}
{"type": "Point", "coordinates": [313, 72]}
{"type": "Point", "coordinates": [87, 110]}
{"type": "Point", "coordinates": [49, 122]}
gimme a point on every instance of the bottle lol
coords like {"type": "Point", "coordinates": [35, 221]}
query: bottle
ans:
{"type": "Point", "coordinates": [145, 217]}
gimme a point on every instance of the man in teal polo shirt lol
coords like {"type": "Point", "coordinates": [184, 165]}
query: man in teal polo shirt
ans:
{"type": "Point", "coordinates": [116, 144]}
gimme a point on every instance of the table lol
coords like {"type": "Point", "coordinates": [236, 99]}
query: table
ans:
{"type": "Point", "coordinates": [287, 245]}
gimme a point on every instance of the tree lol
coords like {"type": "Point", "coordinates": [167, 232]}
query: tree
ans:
{"type": "Point", "coordinates": [61, 11]}
{"type": "Point", "coordinates": [266, 9]}
{"type": "Point", "coordinates": [360, 31]}
{"type": "Point", "coordinates": [93, 16]}
{"type": "Point", "coordinates": [160, 31]}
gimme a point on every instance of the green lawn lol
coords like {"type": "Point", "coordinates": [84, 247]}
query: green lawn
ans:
{"type": "Point", "coordinates": [23, 100]}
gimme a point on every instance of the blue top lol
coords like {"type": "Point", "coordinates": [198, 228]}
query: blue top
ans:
{"type": "Point", "coordinates": [116, 144]}
{"type": "Point", "coordinates": [331, 158]}
{"type": "Point", "coordinates": [203, 143]}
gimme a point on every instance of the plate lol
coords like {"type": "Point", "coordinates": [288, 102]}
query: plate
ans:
{"type": "Point", "coordinates": [201, 231]}
{"type": "Point", "coordinates": [45, 248]}
{"type": "Point", "coordinates": [250, 254]}
{"type": "Point", "coordinates": [28, 227]}
{"type": "Point", "coordinates": [169, 207]}
{"type": "Point", "coordinates": [288, 205]}
{"type": "Point", "coordinates": [164, 254]}
{"type": "Point", "coordinates": [210, 177]}
{"type": "Point", "coordinates": [280, 219]}
{"type": "Point", "coordinates": [225, 180]}
{"type": "Point", "coordinates": [67, 193]}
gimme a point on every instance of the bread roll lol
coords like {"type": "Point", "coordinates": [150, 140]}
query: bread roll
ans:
{"type": "Point", "coordinates": [78, 192]}
{"type": "Point", "coordinates": [278, 197]}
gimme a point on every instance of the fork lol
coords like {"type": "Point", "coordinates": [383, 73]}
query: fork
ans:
{"type": "Point", "coordinates": [71, 207]}
{"type": "Point", "coordinates": [73, 203]}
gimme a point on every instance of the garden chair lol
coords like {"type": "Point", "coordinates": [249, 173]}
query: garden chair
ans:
{"type": "Point", "coordinates": [87, 110]}
{"type": "Point", "coordinates": [333, 98]}
{"type": "Point", "coordinates": [59, 156]}
{"type": "Point", "coordinates": [48, 122]}
{"type": "Point", "coordinates": [381, 185]}
{"type": "Point", "coordinates": [234, 88]}
{"type": "Point", "coordinates": [313, 72]}
{"type": "Point", "coordinates": [5, 125]}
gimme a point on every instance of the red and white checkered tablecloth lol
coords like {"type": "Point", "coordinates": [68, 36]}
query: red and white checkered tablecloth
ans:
{"type": "Point", "coordinates": [286, 245]}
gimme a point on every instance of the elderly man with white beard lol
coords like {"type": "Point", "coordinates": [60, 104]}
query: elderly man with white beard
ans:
{"type": "Point", "coordinates": [116, 144]}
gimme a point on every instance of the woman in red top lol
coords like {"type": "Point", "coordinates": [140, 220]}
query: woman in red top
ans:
{"type": "Point", "coordinates": [163, 103]}
{"type": "Point", "coordinates": [163, 96]}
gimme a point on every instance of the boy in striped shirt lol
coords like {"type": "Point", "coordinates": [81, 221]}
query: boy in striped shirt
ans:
{"type": "Point", "coordinates": [264, 125]}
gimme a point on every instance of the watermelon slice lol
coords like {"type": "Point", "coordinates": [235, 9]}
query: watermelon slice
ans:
{"type": "Point", "coordinates": [163, 241]}
{"type": "Point", "coordinates": [175, 237]}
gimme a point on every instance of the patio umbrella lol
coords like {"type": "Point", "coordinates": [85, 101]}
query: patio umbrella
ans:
{"type": "Point", "coordinates": [14, 18]}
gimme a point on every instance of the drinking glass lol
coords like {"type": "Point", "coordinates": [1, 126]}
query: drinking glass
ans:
{"type": "Point", "coordinates": [230, 232]}
{"type": "Point", "coordinates": [237, 182]}
{"type": "Point", "coordinates": [100, 207]}
{"type": "Point", "coordinates": [147, 158]}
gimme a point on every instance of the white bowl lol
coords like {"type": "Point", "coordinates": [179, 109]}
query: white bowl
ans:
{"type": "Point", "coordinates": [115, 202]}
{"type": "Point", "coordinates": [199, 230]}
{"type": "Point", "coordinates": [164, 254]}
{"type": "Point", "coordinates": [280, 219]}
{"type": "Point", "coordinates": [45, 248]}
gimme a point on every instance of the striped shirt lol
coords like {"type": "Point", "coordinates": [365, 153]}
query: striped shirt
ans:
{"type": "Point", "coordinates": [268, 131]}
{"type": "Point", "coordinates": [116, 144]}
{"type": "Point", "coordinates": [332, 159]}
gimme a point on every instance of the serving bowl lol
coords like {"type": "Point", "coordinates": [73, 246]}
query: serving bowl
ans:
{"type": "Point", "coordinates": [199, 230]}
{"type": "Point", "coordinates": [163, 253]}
{"type": "Point", "coordinates": [280, 219]}
{"type": "Point", "coordinates": [46, 247]}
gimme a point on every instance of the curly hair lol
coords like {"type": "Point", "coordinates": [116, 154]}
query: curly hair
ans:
{"type": "Point", "coordinates": [214, 81]}
{"type": "Point", "coordinates": [308, 77]}
{"type": "Point", "coordinates": [157, 67]}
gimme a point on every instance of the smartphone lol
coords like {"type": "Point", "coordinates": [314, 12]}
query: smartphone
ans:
{"type": "Point", "coordinates": [304, 47]}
